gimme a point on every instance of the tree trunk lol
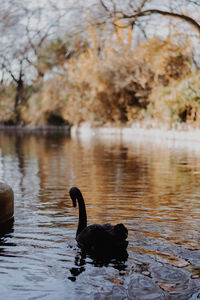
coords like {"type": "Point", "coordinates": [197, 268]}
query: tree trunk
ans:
{"type": "Point", "coordinates": [19, 98]}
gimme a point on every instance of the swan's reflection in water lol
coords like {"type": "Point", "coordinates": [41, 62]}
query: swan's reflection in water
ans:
{"type": "Point", "coordinates": [6, 228]}
{"type": "Point", "coordinates": [117, 261]}
{"type": "Point", "coordinates": [6, 231]}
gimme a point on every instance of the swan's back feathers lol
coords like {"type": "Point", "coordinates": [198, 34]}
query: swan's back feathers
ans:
{"type": "Point", "coordinates": [119, 231]}
{"type": "Point", "coordinates": [105, 237]}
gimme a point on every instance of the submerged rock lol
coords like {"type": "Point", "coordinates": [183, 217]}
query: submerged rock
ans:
{"type": "Point", "coordinates": [143, 288]}
{"type": "Point", "coordinates": [175, 282]}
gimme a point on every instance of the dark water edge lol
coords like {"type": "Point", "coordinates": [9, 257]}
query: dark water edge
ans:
{"type": "Point", "coordinates": [35, 129]}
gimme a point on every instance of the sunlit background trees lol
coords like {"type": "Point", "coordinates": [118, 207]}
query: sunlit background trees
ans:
{"type": "Point", "coordinates": [100, 61]}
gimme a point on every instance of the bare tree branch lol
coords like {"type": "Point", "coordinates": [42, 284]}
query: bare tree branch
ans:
{"type": "Point", "coordinates": [139, 12]}
{"type": "Point", "coordinates": [164, 13]}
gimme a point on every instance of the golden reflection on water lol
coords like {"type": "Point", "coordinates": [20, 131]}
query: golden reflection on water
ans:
{"type": "Point", "coordinates": [154, 190]}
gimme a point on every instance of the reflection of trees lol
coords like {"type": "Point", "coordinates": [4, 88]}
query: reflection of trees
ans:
{"type": "Point", "coordinates": [13, 161]}
{"type": "Point", "coordinates": [118, 180]}
{"type": "Point", "coordinates": [19, 168]}
{"type": "Point", "coordinates": [121, 181]}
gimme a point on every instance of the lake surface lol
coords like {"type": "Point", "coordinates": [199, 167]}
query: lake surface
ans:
{"type": "Point", "coordinates": [154, 189]}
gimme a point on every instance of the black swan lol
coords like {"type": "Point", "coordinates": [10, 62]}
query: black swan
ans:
{"type": "Point", "coordinates": [97, 238]}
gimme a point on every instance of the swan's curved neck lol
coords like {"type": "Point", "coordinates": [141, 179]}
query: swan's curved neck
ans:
{"type": "Point", "coordinates": [82, 223]}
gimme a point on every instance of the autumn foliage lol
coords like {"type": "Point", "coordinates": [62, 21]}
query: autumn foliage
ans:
{"type": "Point", "coordinates": [119, 84]}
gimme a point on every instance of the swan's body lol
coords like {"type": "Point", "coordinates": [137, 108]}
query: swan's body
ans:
{"type": "Point", "coordinates": [97, 238]}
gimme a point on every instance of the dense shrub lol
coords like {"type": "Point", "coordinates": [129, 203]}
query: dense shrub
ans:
{"type": "Point", "coordinates": [177, 103]}
{"type": "Point", "coordinates": [116, 86]}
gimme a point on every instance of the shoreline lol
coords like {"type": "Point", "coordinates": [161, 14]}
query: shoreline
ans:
{"type": "Point", "coordinates": [190, 135]}
{"type": "Point", "coordinates": [134, 137]}
{"type": "Point", "coordinates": [136, 132]}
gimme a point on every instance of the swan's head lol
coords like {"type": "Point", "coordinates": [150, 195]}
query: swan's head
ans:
{"type": "Point", "coordinates": [74, 193]}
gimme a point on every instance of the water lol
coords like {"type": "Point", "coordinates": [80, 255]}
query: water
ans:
{"type": "Point", "coordinates": [153, 189]}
